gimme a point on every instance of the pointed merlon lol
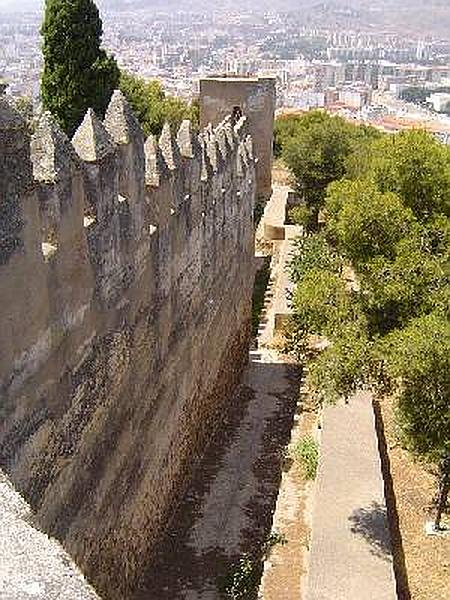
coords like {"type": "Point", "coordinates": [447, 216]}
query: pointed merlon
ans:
{"type": "Point", "coordinates": [242, 160]}
{"type": "Point", "coordinates": [231, 136]}
{"type": "Point", "coordinates": [208, 132]}
{"type": "Point", "coordinates": [120, 121]}
{"type": "Point", "coordinates": [187, 141]}
{"type": "Point", "coordinates": [207, 170]}
{"type": "Point", "coordinates": [155, 165]}
{"type": "Point", "coordinates": [91, 140]}
{"type": "Point", "coordinates": [51, 151]}
{"type": "Point", "coordinates": [249, 146]}
{"type": "Point", "coordinates": [241, 127]}
{"type": "Point", "coordinates": [169, 147]}
{"type": "Point", "coordinates": [225, 147]}
{"type": "Point", "coordinates": [213, 151]}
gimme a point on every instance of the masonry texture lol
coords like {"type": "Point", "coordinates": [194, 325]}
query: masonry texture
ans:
{"type": "Point", "coordinates": [255, 97]}
{"type": "Point", "coordinates": [126, 273]}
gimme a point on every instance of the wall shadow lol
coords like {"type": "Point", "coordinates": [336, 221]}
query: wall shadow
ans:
{"type": "Point", "coordinates": [176, 571]}
{"type": "Point", "coordinates": [401, 574]}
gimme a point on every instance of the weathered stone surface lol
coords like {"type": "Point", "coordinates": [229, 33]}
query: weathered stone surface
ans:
{"type": "Point", "coordinates": [51, 151]}
{"type": "Point", "coordinates": [91, 140]}
{"type": "Point", "coordinates": [253, 97]}
{"type": "Point", "coordinates": [120, 120]}
{"type": "Point", "coordinates": [32, 565]}
{"type": "Point", "coordinates": [115, 360]}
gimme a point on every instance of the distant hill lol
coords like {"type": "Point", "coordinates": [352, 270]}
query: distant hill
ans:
{"type": "Point", "coordinates": [431, 17]}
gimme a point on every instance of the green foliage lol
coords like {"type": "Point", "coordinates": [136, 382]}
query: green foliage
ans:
{"type": "Point", "coordinates": [78, 74]}
{"type": "Point", "coordinates": [415, 166]}
{"type": "Point", "coordinates": [392, 292]}
{"type": "Point", "coordinates": [285, 129]}
{"type": "Point", "coordinates": [365, 222]}
{"type": "Point", "coordinates": [343, 367]}
{"type": "Point", "coordinates": [306, 454]}
{"type": "Point", "coordinates": [303, 215]}
{"type": "Point", "coordinates": [312, 252]}
{"type": "Point", "coordinates": [275, 538]}
{"type": "Point", "coordinates": [417, 364]}
{"type": "Point", "coordinates": [321, 303]}
{"type": "Point", "coordinates": [318, 148]}
{"type": "Point", "coordinates": [243, 579]}
{"type": "Point", "coordinates": [316, 155]}
{"type": "Point", "coordinates": [152, 107]}
{"type": "Point", "coordinates": [387, 212]}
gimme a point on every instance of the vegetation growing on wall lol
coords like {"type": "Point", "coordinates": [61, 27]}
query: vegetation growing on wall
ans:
{"type": "Point", "coordinates": [375, 282]}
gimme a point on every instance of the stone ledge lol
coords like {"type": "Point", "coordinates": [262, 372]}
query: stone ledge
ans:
{"type": "Point", "coordinates": [33, 565]}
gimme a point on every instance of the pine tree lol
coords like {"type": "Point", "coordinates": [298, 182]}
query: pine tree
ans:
{"type": "Point", "coordinates": [78, 74]}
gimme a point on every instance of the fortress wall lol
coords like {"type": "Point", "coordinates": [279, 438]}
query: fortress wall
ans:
{"type": "Point", "coordinates": [255, 97]}
{"type": "Point", "coordinates": [126, 269]}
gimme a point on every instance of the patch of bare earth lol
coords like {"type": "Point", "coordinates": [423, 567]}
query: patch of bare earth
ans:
{"type": "Point", "coordinates": [280, 174]}
{"type": "Point", "coordinates": [286, 567]}
{"type": "Point", "coordinates": [426, 558]}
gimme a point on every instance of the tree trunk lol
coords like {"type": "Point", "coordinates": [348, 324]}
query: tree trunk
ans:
{"type": "Point", "coordinates": [444, 488]}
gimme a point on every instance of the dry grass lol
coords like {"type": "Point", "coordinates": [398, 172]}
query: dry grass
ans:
{"type": "Point", "coordinates": [427, 558]}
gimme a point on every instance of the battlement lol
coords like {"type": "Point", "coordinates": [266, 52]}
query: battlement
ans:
{"type": "Point", "coordinates": [126, 271]}
{"type": "Point", "coordinates": [254, 97]}
{"type": "Point", "coordinates": [92, 205]}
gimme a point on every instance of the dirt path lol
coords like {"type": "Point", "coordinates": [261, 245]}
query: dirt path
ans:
{"type": "Point", "coordinates": [228, 510]}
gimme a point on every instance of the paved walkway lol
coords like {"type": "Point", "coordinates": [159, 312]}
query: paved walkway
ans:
{"type": "Point", "coordinates": [350, 556]}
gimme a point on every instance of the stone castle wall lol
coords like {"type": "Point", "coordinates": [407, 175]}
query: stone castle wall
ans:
{"type": "Point", "coordinates": [255, 97]}
{"type": "Point", "coordinates": [126, 270]}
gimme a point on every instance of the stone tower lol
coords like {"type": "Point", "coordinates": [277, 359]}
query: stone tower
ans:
{"type": "Point", "coordinates": [254, 97]}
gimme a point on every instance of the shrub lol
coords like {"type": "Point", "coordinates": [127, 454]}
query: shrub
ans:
{"type": "Point", "coordinates": [306, 454]}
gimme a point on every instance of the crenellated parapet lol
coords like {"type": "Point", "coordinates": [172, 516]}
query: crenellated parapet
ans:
{"type": "Point", "coordinates": [126, 269]}
{"type": "Point", "coordinates": [99, 198]}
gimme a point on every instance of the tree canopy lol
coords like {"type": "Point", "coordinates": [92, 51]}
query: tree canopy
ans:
{"type": "Point", "coordinates": [78, 74]}
{"type": "Point", "coordinates": [153, 107]}
{"type": "Point", "coordinates": [387, 328]}
{"type": "Point", "coordinates": [317, 149]}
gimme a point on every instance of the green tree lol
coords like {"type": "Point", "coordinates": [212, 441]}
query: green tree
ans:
{"type": "Point", "coordinates": [415, 166]}
{"type": "Point", "coordinates": [343, 367]}
{"type": "Point", "coordinates": [78, 74]}
{"type": "Point", "coordinates": [312, 252]}
{"type": "Point", "coordinates": [394, 291]}
{"type": "Point", "coordinates": [321, 304]}
{"type": "Point", "coordinates": [417, 364]}
{"type": "Point", "coordinates": [152, 107]}
{"type": "Point", "coordinates": [389, 332]}
{"type": "Point", "coordinates": [285, 128]}
{"type": "Point", "coordinates": [317, 155]}
{"type": "Point", "coordinates": [365, 222]}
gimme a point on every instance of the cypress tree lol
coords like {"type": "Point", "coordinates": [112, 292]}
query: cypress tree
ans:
{"type": "Point", "coordinates": [78, 74]}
